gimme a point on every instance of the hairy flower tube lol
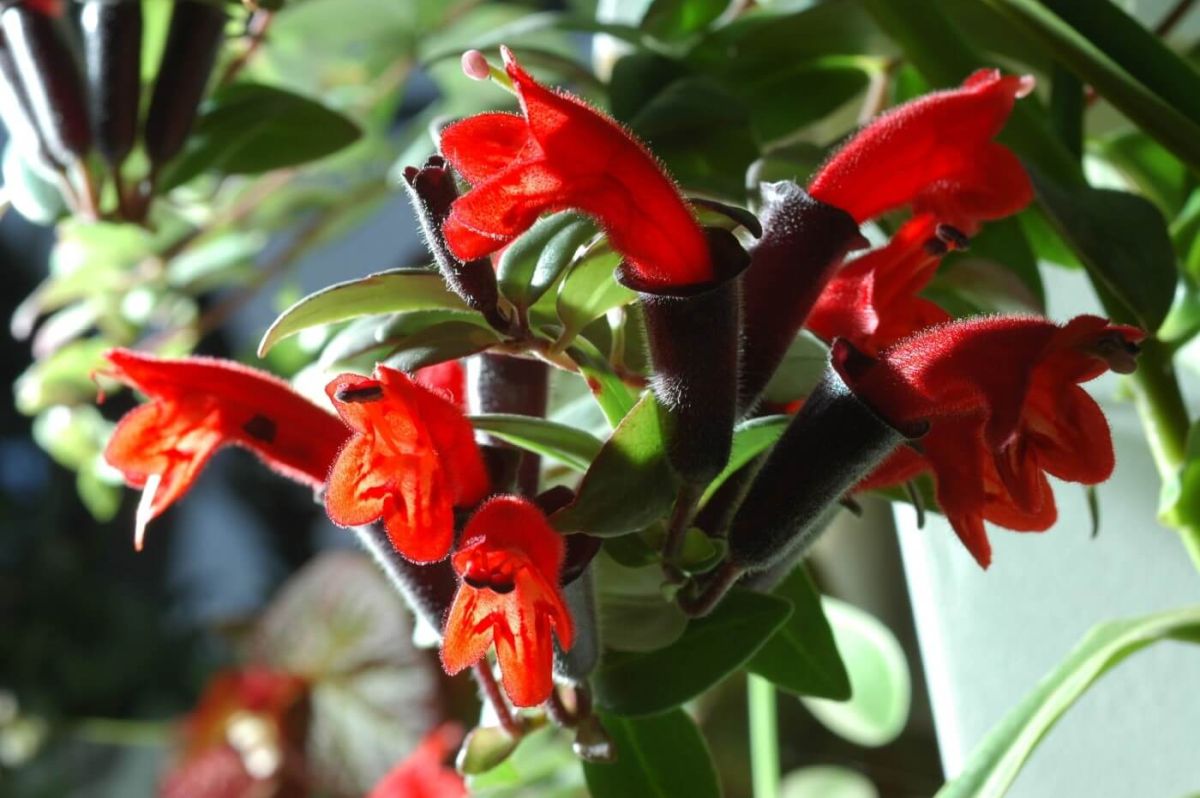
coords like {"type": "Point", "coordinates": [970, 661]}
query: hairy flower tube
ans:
{"type": "Point", "coordinates": [564, 154]}
{"type": "Point", "coordinates": [411, 460]}
{"type": "Point", "coordinates": [873, 301]}
{"type": "Point", "coordinates": [1002, 399]}
{"type": "Point", "coordinates": [197, 405]}
{"type": "Point", "coordinates": [424, 774]}
{"type": "Point", "coordinates": [509, 562]}
{"type": "Point", "coordinates": [936, 155]}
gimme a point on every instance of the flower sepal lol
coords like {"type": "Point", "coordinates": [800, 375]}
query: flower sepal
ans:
{"type": "Point", "coordinates": [832, 443]}
{"type": "Point", "coordinates": [804, 241]}
{"type": "Point", "coordinates": [693, 339]}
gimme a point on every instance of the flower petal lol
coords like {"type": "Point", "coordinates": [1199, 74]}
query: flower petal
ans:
{"type": "Point", "coordinates": [480, 147]}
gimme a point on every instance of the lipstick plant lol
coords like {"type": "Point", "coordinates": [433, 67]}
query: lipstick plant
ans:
{"type": "Point", "coordinates": [573, 430]}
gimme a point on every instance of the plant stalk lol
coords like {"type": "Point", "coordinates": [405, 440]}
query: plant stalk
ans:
{"type": "Point", "coordinates": [764, 737]}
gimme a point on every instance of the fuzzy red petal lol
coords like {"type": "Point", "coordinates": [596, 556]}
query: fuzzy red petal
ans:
{"type": "Point", "coordinates": [935, 151]}
{"type": "Point", "coordinates": [572, 156]}
{"type": "Point", "coordinates": [509, 561]}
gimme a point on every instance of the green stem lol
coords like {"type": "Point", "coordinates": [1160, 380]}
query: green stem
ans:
{"type": "Point", "coordinates": [764, 737]}
{"type": "Point", "coordinates": [1160, 404]}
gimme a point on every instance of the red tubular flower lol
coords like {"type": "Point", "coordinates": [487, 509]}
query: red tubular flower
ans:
{"type": "Point", "coordinates": [1002, 398]}
{"type": "Point", "coordinates": [509, 562]}
{"type": "Point", "coordinates": [447, 379]}
{"type": "Point", "coordinates": [197, 405]}
{"type": "Point", "coordinates": [872, 301]}
{"type": "Point", "coordinates": [424, 773]}
{"type": "Point", "coordinates": [936, 154]}
{"type": "Point", "coordinates": [411, 460]}
{"type": "Point", "coordinates": [565, 154]}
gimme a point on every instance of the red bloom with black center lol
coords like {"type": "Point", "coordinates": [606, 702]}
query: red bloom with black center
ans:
{"type": "Point", "coordinates": [1004, 406]}
{"type": "Point", "coordinates": [873, 301]}
{"type": "Point", "coordinates": [564, 154]}
{"type": "Point", "coordinates": [935, 154]}
{"type": "Point", "coordinates": [424, 774]}
{"type": "Point", "coordinates": [198, 405]}
{"type": "Point", "coordinates": [509, 561]}
{"type": "Point", "coordinates": [411, 461]}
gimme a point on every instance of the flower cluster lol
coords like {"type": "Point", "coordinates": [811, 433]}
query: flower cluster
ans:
{"type": "Point", "coordinates": [988, 406]}
{"type": "Point", "coordinates": [402, 455]}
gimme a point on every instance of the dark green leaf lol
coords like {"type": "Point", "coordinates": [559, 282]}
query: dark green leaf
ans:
{"type": "Point", "coordinates": [449, 340]}
{"type": "Point", "coordinates": [532, 263]}
{"type": "Point", "coordinates": [629, 485]}
{"type": "Point", "coordinates": [248, 128]}
{"type": "Point", "coordinates": [710, 649]}
{"type": "Point", "coordinates": [674, 19]}
{"type": "Point", "coordinates": [1159, 117]}
{"type": "Point", "coordinates": [1003, 242]}
{"type": "Point", "coordinates": [803, 365]}
{"type": "Point", "coordinates": [385, 292]}
{"type": "Point", "coordinates": [802, 657]}
{"type": "Point", "coordinates": [1150, 168]}
{"type": "Point", "coordinates": [572, 447]}
{"type": "Point", "coordinates": [1122, 239]}
{"type": "Point", "coordinates": [663, 756]}
{"type": "Point", "coordinates": [795, 94]}
{"type": "Point", "coordinates": [1138, 51]}
{"type": "Point", "coordinates": [996, 761]}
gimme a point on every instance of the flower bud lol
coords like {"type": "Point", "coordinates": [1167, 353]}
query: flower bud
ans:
{"type": "Point", "coordinates": [432, 191]}
{"type": "Point", "coordinates": [193, 42]}
{"type": "Point", "coordinates": [112, 44]}
{"type": "Point", "coordinates": [50, 77]}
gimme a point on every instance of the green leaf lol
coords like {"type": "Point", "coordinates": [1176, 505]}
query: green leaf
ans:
{"type": "Point", "coordinates": [629, 485]}
{"type": "Point", "coordinates": [249, 128]}
{"type": "Point", "coordinates": [32, 194]}
{"type": "Point", "coordinates": [532, 263]}
{"type": "Point", "coordinates": [711, 648]}
{"type": "Point", "coordinates": [1149, 168]}
{"type": "Point", "coordinates": [880, 682]}
{"type": "Point", "coordinates": [663, 756]}
{"type": "Point", "coordinates": [794, 94]}
{"type": "Point", "coordinates": [449, 340]}
{"type": "Point", "coordinates": [63, 378]}
{"type": "Point", "coordinates": [802, 657]}
{"type": "Point", "coordinates": [612, 396]}
{"type": "Point", "coordinates": [826, 781]}
{"type": "Point", "coordinates": [206, 266]}
{"type": "Point", "coordinates": [1122, 240]}
{"type": "Point", "coordinates": [385, 292]}
{"type": "Point", "coordinates": [750, 439]}
{"type": "Point", "coordinates": [1138, 51]}
{"type": "Point", "coordinates": [588, 292]}
{"type": "Point", "coordinates": [674, 19]}
{"type": "Point", "coordinates": [1159, 117]}
{"type": "Point", "coordinates": [997, 760]}
{"type": "Point", "coordinates": [633, 613]}
{"type": "Point", "coordinates": [571, 447]}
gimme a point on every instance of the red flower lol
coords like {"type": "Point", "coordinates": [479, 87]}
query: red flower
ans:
{"type": "Point", "coordinates": [936, 154]}
{"type": "Point", "coordinates": [51, 8]}
{"type": "Point", "coordinates": [197, 405]}
{"type": "Point", "coordinates": [1004, 407]}
{"type": "Point", "coordinates": [565, 154]}
{"type": "Point", "coordinates": [245, 737]}
{"type": "Point", "coordinates": [509, 562]}
{"type": "Point", "coordinates": [872, 301]}
{"type": "Point", "coordinates": [447, 379]}
{"type": "Point", "coordinates": [424, 773]}
{"type": "Point", "coordinates": [411, 461]}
